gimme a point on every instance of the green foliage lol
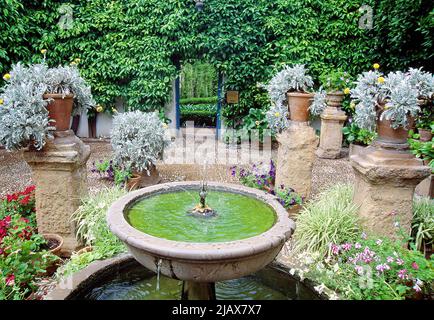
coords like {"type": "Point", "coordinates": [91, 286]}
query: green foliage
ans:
{"type": "Point", "coordinates": [190, 101]}
{"type": "Point", "coordinates": [423, 223]}
{"type": "Point", "coordinates": [422, 150]}
{"type": "Point", "coordinates": [425, 119]}
{"type": "Point", "coordinates": [354, 134]}
{"type": "Point", "coordinates": [112, 172]}
{"type": "Point", "coordinates": [334, 80]}
{"type": "Point", "coordinates": [93, 230]}
{"type": "Point", "coordinates": [330, 218]}
{"type": "Point", "coordinates": [198, 80]}
{"type": "Point", "coordinates": [376, 269]}
{"type": "Point", "coordinates": [131, 49]}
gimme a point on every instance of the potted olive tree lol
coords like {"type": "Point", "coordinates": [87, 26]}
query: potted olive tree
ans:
{"type": "Point", "coordinates": [291, 85]}
{"type": "Point", "coordinates": [38, 100]}
{"type": "Point", "coordinates": [138, 140]}
{"type": "Point", "coordinates": [390, 103]}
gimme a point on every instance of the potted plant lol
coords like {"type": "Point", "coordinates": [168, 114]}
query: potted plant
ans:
{"type": "Point", "coordinates": [54, 243]}
{"type": "Point", "coordinates": [357, 138]}
{"type": "Point", "coordinates": [138, 140]}
{"type": "Point", "coordinates": [38, 100]}
{"type": "Point", "coordinates": [335, 83]}
{"type": "Point", "coordinates": [425, 123]}
{"type": "Point", "coordinates": [390, 103]}
{"type": "Point", "coordinates": [291, 85]}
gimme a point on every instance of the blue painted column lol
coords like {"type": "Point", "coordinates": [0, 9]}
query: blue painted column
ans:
{"type": "Point", "coordinates": [219, 104]}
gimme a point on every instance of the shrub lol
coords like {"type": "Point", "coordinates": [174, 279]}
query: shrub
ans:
{"type": "Point", "coordinates": [138, 140]}
{"type": "Point", "coordinates": [329, 218]}
{"type": "Point", "coordinates": [92, 229]}
{"type": "Point", "coordinates": [354, 134]}
{"type": "Point", "coordinates": [22, 258]}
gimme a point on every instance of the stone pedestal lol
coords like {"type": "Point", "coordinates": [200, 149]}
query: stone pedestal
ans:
{"type": "Point", "coordinates": [59, 172]}
{"type": "Point", "coordinates": [385, 179]}
{"type": "Point", "coordinates": [295, 157]}
{"type": "Point", "coordinates": [332, 121]}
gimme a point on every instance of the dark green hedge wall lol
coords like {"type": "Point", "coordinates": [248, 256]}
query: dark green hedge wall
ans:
{"type": "Point", "coordinates": [130, 48]}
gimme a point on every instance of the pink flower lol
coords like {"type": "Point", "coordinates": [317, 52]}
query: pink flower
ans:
{"type": "Point", "coordinates": [357, 245]}
{"type": "Point", "coordinates": [417, 288]}
{"type": "Point", "coordinates": [390, 259]}
{"type": "Point", "coordinates": [346, 246]}
{"type": "Point", "coordinates": [359, 269]}
{"type": "Point", "coordinates": [399, 262]}
{"type": "Point", "coordinates": [382, 267]}
{"type": "Point", "coordinates": [415, 266]}
{"type": "Point", "coordinates": [402, 274]}
{"type": "Point", "coordinates": [10, 280]}
{"type": "Point", "coordinates": [335, 249]}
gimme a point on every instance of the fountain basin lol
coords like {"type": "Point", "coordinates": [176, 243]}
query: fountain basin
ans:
{"type": "Point", "coordinates": [201, 261]}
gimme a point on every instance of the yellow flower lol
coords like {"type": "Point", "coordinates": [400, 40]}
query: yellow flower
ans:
{"type": "Point", "coordinates": [380, 79]}
{"type": "Point", "coordinates": [277, 114]}
{"type": "Point", "coordinates": [257, 123]}
{"type": "Point", "coordinates": [77, 60]}
{"type": "Point", "coordinates": [347, 90]}
{"type": "Point", "coordinates": [352, 105]}
{"type": "Point", "coordinates": [114, 110]}
{"type": "Point", "coordinates": [99, 108]}
{"type": "Point", "coordinates": [1, 101]}
{"type": "Point", "coordinates": [165, 126]}
{"type": "Point", "coordinates": [73, 63]}
{"type": "Point", "coordinates": [44, 51]}
{"type": "Point", "coordinates": [7, 76]}
{"type": "Point", "coordinates": [376, 66]}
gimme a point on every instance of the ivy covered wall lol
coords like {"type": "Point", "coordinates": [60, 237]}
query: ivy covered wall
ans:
{"type": "Point", "coordinates": [131, 48]}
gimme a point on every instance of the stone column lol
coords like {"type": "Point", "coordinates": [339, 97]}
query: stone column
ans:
{"type": "Point", "coordinates": [385, 179]}
{"type": "Point", "coordinates": [295, 157]}
{"type": "Point", "coordinates": [332, 121]}
{"type": "Point", "coordinates": [59, 172]}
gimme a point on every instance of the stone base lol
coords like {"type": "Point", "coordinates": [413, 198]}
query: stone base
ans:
{"type": "Point", "coordinates": [295, 157]}
{"type": "Point", "coordinates": [60, 175]}
{"type": "Point", "coordinates": [332, 121]}
{"type": "Point", "coordinates": [385, 180]}
{"type": "Point", "coordinates": [426, 187]}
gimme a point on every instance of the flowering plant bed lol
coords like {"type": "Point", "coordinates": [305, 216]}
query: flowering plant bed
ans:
{"type": "Point", "coordinates": [262, 176]}
{"type": "Point", "coordinates": [22, 257]}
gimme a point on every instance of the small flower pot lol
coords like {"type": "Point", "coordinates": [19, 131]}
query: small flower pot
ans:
{"type": "Point", "coordinates": [390, 135]}
{"type": "Point", "coordinates": [425, 135]}
{"type": "Point", "coordinates": [334, 99]}
{"type": "Point", "coordinates": [85, 250]}
{"type": "Point", "coordinates": [54, 243]}
{"type": "Point", "coordinates": [60, 109]}
{"type": "Point", "coordinates": [299, 104]}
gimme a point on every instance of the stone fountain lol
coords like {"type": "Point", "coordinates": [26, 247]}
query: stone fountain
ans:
{"type": "Point", "coordinates": [199, 263]}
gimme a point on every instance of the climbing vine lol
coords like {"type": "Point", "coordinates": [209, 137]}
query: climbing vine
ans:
{"type": "Point", "coordinates": [132, 48]}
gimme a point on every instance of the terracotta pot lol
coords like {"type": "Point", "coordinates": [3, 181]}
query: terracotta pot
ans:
{"type": "Point", "coordinates": [389, 135]}
{"type": "Point", "coordinates": [142, 179]}
{"type": "Point", "coordinates": [299, 105]}
{"type": "Point", "coordinates": [60, 109]}
{"type": "Point", "coordinates": [55, 237]}
{"type": "Point", "coordinates": [425, 135]}
{"type": "Point", "coordinates": [84, 250]}
{"type": "Point", "coordinates": [334, 99]}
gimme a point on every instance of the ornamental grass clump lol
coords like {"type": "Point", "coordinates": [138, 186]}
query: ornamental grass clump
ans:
{"type": "Point", "coordinates": [329, 218]}
{"type": "Point", "coordinates": [422, 226]}
{"type": "Point", "coordinates": [92, 229]}
{"type": "Point", "coordinates": [138, 140]}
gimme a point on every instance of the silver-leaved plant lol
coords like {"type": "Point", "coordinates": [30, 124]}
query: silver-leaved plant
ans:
{"type": "Point", "coordinates": [289, 79]}
{"type": "Point", "coordinates": [319, 102]}
{"type": "Point", "coordinates": [23, 114]}
{"type": "Point", "coordinates": [393, 97]}
{"type": "Point", "coordinates": [138, 140]}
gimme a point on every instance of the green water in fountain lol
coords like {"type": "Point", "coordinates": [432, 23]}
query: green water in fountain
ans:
{"type": "Point", "coordinates": [167, 216]}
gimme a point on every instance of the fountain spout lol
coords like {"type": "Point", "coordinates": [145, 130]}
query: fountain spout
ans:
{"type": "Point", "coordinates": [202, 209]}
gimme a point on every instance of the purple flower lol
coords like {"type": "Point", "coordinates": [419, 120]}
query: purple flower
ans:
{"type": "Point", "coordinates": [359, 270]}
{"type": "Point", "coordinates": [379, 242]}
{"type": "Point", "coordinates": [399, 262]}
{"type": "Point", "coordinates": [382, 267]}
{"type": "Point", "coordinates": [415, 266]}
{"type": "Point", "coordinates": [335, 249]}
{"type": "Point", "coordinates": [390, 259]}
{"type": "Point", "coordinates": [417, 288]}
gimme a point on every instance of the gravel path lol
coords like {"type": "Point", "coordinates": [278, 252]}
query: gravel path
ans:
{"type": "Point", "coordinates": [15, 173]}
